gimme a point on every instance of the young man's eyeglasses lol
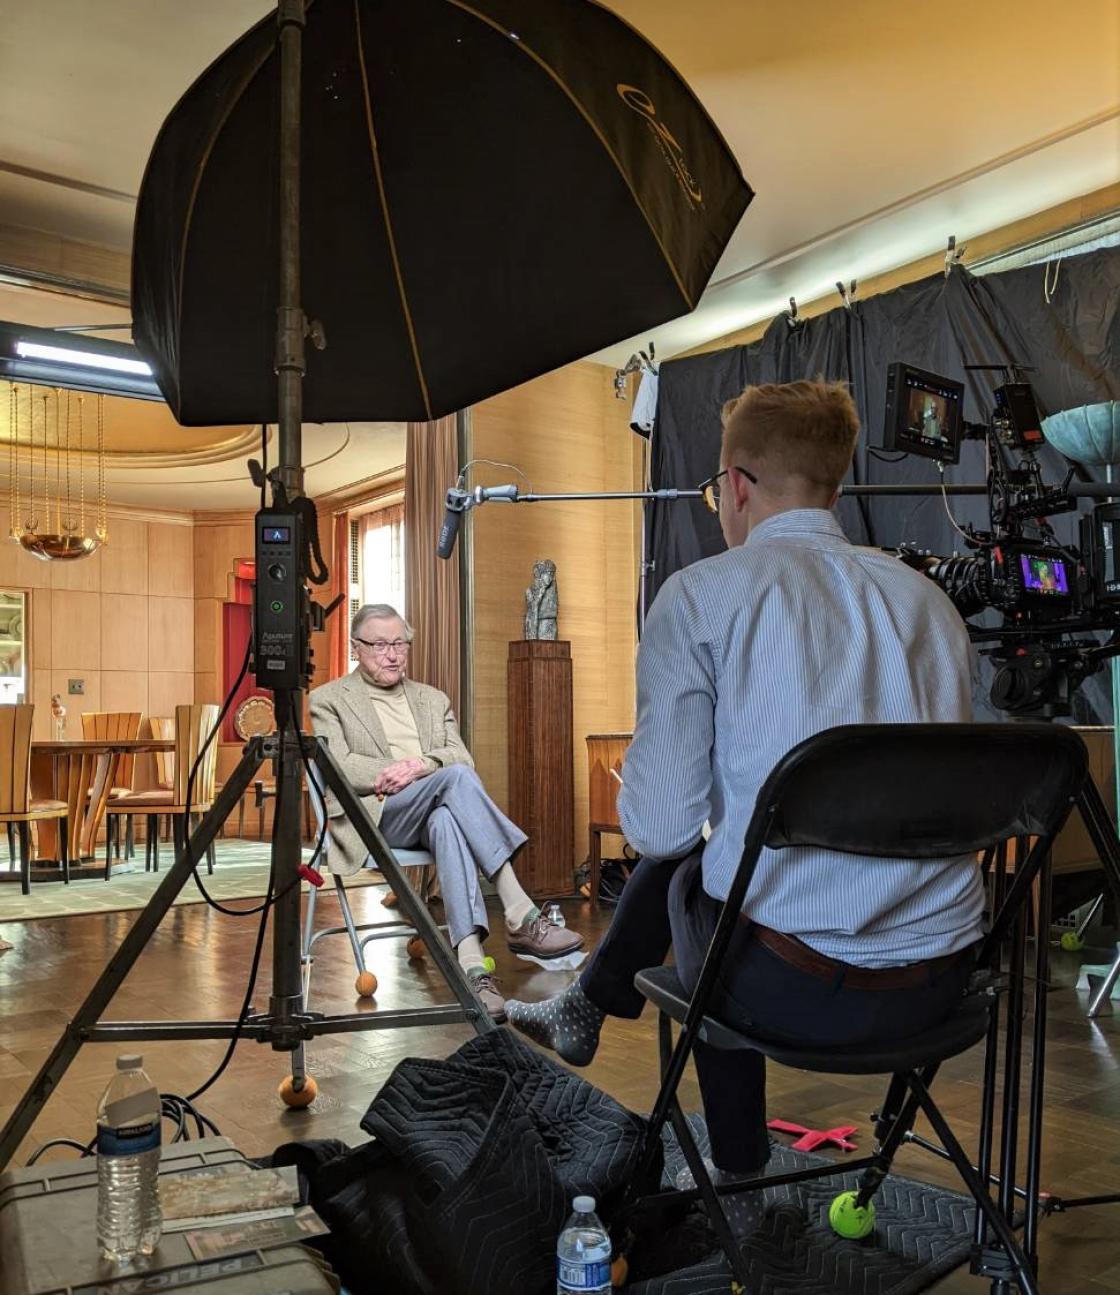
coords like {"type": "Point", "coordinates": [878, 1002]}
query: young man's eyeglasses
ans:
{"type": "Point", "coordinates": [711, 488]}
{"type": "Point", "coordinates": [382, 647]}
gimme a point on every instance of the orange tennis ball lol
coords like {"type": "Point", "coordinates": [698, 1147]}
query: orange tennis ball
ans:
{"type": "Point", "coordinates": [298, 1098]}
{"type": "Point", "coordinates": [416, 948]}
{"type": "Point", "coordinates": [366, 984]}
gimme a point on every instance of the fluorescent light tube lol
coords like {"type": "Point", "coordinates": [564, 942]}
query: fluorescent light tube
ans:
{"type": "Point", "coordinates": [84, 359]}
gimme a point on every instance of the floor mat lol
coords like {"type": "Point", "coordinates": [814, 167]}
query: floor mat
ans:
{"type": "Point", "coordinates": [921, 1233]}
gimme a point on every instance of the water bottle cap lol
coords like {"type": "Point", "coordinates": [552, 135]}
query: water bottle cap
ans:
{"type": "Point", "coordinates": [130, 1061]}
{"type": "Point", "coordinates": [584, 1205]}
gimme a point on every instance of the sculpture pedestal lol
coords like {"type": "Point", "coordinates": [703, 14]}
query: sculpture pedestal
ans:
{"type": "Point", "coordinates": [541, 792]}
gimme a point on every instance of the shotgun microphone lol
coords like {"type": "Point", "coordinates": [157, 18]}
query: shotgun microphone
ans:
{"type": "Point", "coordinates": [452, 517]}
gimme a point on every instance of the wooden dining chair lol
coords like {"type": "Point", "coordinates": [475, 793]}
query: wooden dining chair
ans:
{"type": "Point", "coordinates": [192, 726]}
{"type": "Point", "coordinates": [108, 725]}
{"type": "Point", "coordinates": [163, 727]}
{"type": "Point", "coordinates": [16, 804]}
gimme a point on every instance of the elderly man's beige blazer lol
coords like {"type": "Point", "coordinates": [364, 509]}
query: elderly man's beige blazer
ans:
{"type": "Point", "coordinates": [343, 713]}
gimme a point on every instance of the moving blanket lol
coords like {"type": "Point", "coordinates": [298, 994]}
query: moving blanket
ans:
{"type": "Point", "coordinates": [470, 1175]}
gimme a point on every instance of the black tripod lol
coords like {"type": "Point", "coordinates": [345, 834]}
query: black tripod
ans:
{"type": "Point", "coordinates": [999, 1169]}
{"type": "Point", "coordinates": [282, 625]}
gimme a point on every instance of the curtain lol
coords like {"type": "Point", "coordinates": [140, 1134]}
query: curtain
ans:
{"type": "Point", "coordinates": [432, 584]}
{"type": "Point", "coordinates": [340, 584]}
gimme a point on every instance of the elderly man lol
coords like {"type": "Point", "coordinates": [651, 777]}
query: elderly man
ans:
{"type": "Point", "coordinates": [791, 631]}
{"type": "Point", "coordinates": [399, 745]}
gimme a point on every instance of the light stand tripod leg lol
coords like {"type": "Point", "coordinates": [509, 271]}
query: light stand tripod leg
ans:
{"type": "Point", "coordinates": [121, 963]}
{"type": "Point", "coordinates": [414, 907]}
{"type": "Point", "coordinates": [285, 1009]}
{"type": "Point", "coordinates": [1098, 823]}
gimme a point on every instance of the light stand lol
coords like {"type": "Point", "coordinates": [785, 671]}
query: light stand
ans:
{"type": "Point", "coordinates": [285, 616]}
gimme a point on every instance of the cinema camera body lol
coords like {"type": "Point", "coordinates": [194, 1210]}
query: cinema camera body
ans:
{"type": "Point", "coordinates": [1048, 595]}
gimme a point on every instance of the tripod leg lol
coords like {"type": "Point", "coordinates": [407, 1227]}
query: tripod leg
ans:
{"type": "Point", "coordinates": [1099, 826]}
{"type": "Point", "coordinates": [414, 907]}
{"type": "Point", "coordinates": [1038, 1067]}
{"type": "Point", "coordinates": [286, 1001]}
{"type": "Point", "coordinates": [121, 963]}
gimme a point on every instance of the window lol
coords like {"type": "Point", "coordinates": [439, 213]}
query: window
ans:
{"type": "Point", "coordinates": [377, 559]}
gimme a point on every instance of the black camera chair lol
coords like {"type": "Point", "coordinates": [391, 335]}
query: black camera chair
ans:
{"type": "Point", "coordinates": [923, 791]}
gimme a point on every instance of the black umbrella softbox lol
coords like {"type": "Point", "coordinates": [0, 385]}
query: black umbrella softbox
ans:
{"type": "Point", "coordinates": [489, 190]}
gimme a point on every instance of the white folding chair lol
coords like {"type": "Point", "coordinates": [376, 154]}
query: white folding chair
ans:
{"type": "Point", "coordinates": [360, 934]}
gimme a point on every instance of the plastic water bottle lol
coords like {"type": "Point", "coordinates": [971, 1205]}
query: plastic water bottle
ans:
{"type": "Point", "coordinates": [556, 915]}
{"type": "Point", "coordinates": [129, 1222]}
{"type": "Point", "coordinates": [583, 1253]}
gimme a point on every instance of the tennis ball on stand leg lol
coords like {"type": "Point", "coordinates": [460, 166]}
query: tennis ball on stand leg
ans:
{"type": "Point", "coordinates": [1071, 942]}
{"type": "Point", "coordinates": [850, 1220]}
{"type": "Point", "coordinates": [366, 984]}
{"type": "Point", "coordinates": [416, 948]}
{"type": "Point", "coordinates": [298, 1098]}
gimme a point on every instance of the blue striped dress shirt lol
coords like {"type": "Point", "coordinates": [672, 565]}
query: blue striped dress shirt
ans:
{"type": "Point", "coordinates": [748, 653]}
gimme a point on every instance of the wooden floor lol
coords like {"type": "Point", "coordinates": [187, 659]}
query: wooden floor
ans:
{"type": "Point", "coordinates": [195, 968]}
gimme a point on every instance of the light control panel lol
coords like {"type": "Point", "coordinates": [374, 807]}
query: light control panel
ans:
{"type": "Point", "coordinates": [280, 657]}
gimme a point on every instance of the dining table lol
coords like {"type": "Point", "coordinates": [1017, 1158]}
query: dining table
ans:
{"type": "Point", "coordinates": [81, 773]}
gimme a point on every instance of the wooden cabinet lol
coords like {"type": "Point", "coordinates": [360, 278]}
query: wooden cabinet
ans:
{"type": "Point", "coordinates": [541, 790]}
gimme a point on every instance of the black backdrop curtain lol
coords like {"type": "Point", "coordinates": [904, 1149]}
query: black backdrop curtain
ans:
{"type": "Point", "coordinates": [941, 323]}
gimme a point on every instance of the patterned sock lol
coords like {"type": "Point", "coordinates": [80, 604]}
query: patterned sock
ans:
{"type": "Point", "coordinates": [745, 1211]}
{"type": "Point", "coordinates": [569, 1024]}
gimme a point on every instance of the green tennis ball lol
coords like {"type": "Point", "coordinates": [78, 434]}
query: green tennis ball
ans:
{"type": "Point", "coordinates": [850, 1220]}
{"type": "Point", "coordinates": [489, 963]}
{"type": "Point", "coordinates": [1071, 942]}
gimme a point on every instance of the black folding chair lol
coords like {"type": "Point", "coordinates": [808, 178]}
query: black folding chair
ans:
{"type": "Point", "coordinates": [924, 791]}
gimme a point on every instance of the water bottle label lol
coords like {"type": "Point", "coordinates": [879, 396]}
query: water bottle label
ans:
{"type": "Point", "coordinates": [583, 1276]}
{"type": "Point", "coordinates": [132, 1140]}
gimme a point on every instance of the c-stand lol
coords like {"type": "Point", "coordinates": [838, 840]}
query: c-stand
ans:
{"type": "Point", "coordinates": [282, 628]}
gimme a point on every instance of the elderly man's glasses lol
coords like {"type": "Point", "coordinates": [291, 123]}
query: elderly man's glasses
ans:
{"type": "Point", "coordinates": [711, 488]}
{"type": "Point", "coordinates": [382, 647]}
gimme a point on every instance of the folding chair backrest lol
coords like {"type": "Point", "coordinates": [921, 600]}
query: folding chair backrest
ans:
{"type": "Point", "coordinates": [108, 725]}
{"type": "Point", "coordinates": [193, 725]}
{"type": "Point", "coordinates": [15, 758]}
{"type": "Point", "coordinates": [920, 791]}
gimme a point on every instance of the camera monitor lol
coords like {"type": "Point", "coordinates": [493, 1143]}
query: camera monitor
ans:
{"type": "Point", "coordinates": [1044, 575]}
{"type": "Point", "coordinates": [923, 413]}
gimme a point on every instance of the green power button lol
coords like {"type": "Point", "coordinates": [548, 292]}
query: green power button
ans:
{"type": "Point", "coordinates": [277, 606]}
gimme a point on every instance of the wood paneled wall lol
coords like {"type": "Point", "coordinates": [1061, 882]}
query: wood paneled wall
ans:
{"type": "Point", "coordinates": [121, 620]}
{"type": "Point", "coordinates": [567, 432]}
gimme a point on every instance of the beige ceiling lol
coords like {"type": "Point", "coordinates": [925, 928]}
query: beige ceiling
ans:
{"type": "Point", "coordinates": [146, 447]}
{"type": "Point", "coordinates": [871, 129]}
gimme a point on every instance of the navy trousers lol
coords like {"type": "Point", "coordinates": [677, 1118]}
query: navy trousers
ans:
{"type": "Point", "coordinates": [664, 904]}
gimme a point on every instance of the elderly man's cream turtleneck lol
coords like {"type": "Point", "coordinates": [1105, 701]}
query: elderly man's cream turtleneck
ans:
{"type": "Point", "coordinates": [396, 717]}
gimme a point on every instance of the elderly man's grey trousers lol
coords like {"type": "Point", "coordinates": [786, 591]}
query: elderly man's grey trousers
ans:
{"type": "Point", "coordinates": [450, 814]}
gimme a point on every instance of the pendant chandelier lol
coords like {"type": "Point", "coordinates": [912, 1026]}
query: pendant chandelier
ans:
{"type": "Point", "coordinates": [47, 431]}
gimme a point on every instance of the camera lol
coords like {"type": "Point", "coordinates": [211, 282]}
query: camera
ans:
{"type": "Point", "coordinates": [1047, 594]}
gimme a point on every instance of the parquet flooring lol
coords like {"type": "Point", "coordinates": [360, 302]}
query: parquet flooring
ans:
{"type": "Point", "coordinates": [195, 968]}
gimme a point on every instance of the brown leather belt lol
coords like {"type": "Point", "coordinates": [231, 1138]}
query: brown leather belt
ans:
{"type": "Point", "coordinates": [798, 954]}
